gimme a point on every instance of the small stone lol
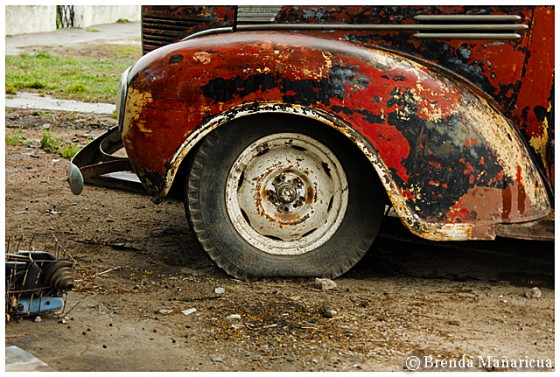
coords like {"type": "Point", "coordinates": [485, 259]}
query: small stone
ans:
{"type": "Point", "coordinates": [38, 319]}
{"type": "Point", "coordinates": [219, 290]}
{"type": "Point", "coordinates": [324, 284]}
{"type": "Point", "coordinates": [533, 293]}
{"type": "Point", "coordinates": [453, 323]}
{"type": "Point", "coordinates": [353, 298]}
{"type": "Point", "coordinates": [46, 126]}
{"type": "Point", "coordinates": [165, 311]}
{"type": "Point", "coordinates": [327, 312]}
{"type": "Point", "coordinates": [188, 311]}
{"type": "Point", "coordinates": [233, 317]}
{"type": "Point", "coordinates": [217, 359]}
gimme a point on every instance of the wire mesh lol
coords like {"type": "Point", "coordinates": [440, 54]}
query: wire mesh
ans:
{"type": "Point", "coordinates": [39, 272]}
{"type": "Point", "coordinates": [64, 16]}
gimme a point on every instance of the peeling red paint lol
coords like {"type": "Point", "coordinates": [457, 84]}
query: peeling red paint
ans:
{"type": "Point", "coordinates": [439, 128]}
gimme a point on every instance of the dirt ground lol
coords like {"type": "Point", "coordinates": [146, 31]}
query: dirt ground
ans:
{"type": "Point", "coordinates": [138, 268]}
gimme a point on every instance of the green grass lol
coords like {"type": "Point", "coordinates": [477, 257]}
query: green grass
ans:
{"type": "Point", "coordinates": [49, 142]}
{"type": "Point", "coordinates": [69, 151]}
{"type": "Point", "coordinates": [16, 139]}
{"type": "Point", "coordinates": [85, 77]}
{"type": "Point", "coordinates": [52, 144]}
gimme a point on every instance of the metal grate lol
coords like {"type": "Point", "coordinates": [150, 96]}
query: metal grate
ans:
{"type": "Point", "coordinates": [39, 272]}
{"type": "Point", "coordinates": [64, 16]}
{"type": "Point", "coordinates": [159, 31]}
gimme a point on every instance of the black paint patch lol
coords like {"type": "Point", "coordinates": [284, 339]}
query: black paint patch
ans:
{"type": "Point", "coordinates": [440, 162]}
{"type": "Point", "coordinates": [295, 91]}
{"type": "Point", "coordinates": [174, 59]}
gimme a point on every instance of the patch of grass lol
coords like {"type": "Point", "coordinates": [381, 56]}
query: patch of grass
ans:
{"type": "Point", "coordinates": [10, 89]}
{"type": "Point", "coordinates": [34, 85]}
{"type": "Point", "coordinates": [93, 30]}
{"type": "Point", "coordinates": [49, 142]}
{"type": "Point", "coordinates": [76, 88]}
{"type": "Point", "coordinates": [52, 144]}
{"type": "Point", "coordinates": [16, 139]}
{"type": "Point", "coordinates": [91, 77]}
{"type": "Point", "coordinates": [69, 151]}
{"type": "Point", "coordinates": [123, 21]}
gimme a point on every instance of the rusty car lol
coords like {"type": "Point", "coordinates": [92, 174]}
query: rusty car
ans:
{"type": "Point", "coordinates": [289, 131]}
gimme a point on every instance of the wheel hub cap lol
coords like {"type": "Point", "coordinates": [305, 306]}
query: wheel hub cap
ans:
{"type": "Point", "coordinates": [286, 194]}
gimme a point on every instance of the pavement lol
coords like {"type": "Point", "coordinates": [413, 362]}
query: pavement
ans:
{"type": "Point", "coordinates": [110, 33]}
{"type": "Point", "coordinates": [125, 33]}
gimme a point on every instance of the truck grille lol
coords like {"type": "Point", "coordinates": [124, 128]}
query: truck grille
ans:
{"type": "Point", "coordinates": [158, 31]}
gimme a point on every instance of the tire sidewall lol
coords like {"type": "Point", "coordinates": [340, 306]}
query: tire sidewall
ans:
{"type": "Point", "coordinates": [349, 243]}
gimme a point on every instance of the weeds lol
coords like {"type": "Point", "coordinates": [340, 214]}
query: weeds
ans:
{"type": "Point", "coordinates": [16, 139]}
{"type": "Point", "coordinates": [69, 151]}
{"type": "Point", "coordinates": [52, 144]}
{"type": "Point", "coordinates": [49, 142]}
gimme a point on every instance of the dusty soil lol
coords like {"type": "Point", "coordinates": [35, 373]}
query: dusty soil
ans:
{"type": "Point", "coordinates": [138, 267]}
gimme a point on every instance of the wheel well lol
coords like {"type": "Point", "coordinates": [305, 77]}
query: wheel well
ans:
{"type": "Point", "coordinates": [176, 190]}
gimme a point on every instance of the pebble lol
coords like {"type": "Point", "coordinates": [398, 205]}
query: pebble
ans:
{"type": "Point", "coordinates": [188, 311]}
{"type": "Point", "coordinates": [534, 292]}
{"type": "Point", "coordinates": [327, 312]}
{"type": "Point", "coordinates": [219, 290]}
{"type": "Point", "coordinates": [165, 311]}
{"type": "Point", "coordinates": [217, 359]}
{"type": "Point", "coordinates": [233, 317]}
{"type": "Point", "coordinates": [38, 319]}
{"type": "Point", "coordinates": [324, 284]}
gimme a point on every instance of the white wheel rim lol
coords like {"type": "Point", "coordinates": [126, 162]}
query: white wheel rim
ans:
{"type": "Point", "coordinates": [286, 194]}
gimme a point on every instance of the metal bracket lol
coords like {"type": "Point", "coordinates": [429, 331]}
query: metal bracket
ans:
{"type": "Point", "coordinates": [97, 165]}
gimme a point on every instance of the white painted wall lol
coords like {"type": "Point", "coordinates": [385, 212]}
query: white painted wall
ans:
{"type": "Point", "coordinates": [88, 15]}
{"type": "Point", "coordinates": [26, 19]}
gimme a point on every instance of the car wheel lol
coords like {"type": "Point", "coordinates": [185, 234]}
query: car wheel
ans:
{"type": "Point", "coordinates": [282, 196]}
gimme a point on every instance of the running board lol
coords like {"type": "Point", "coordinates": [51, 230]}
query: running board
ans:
{"type": "Point", "coordinates": [540, 230]}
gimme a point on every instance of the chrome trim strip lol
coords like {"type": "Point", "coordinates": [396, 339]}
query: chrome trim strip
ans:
{"type": "Point", "coordinates": [208, 32]}
{"type": "Point", "coordinates": [475, 29]}
{"type": "Point", "coordinates": [414, 27]}
{"type": "Point", "coordinates": [478, 36]}
{"type": "Point", "coordinates": [252, 13]}
{"type": "Point", "coordinates": [468, 18]}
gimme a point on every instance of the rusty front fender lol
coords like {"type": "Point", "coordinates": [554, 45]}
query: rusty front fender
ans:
{"type": "Point", "coordinates": [452, 165]}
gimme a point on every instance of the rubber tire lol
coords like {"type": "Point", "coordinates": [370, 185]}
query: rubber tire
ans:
{"type": "Point", "coordinates": [207, 213]}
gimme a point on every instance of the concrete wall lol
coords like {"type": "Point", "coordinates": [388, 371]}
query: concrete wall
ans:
{"type": "Point", "coordinates": [25, 19]}
{"type": "Point", "coordinates": [88, 15]}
